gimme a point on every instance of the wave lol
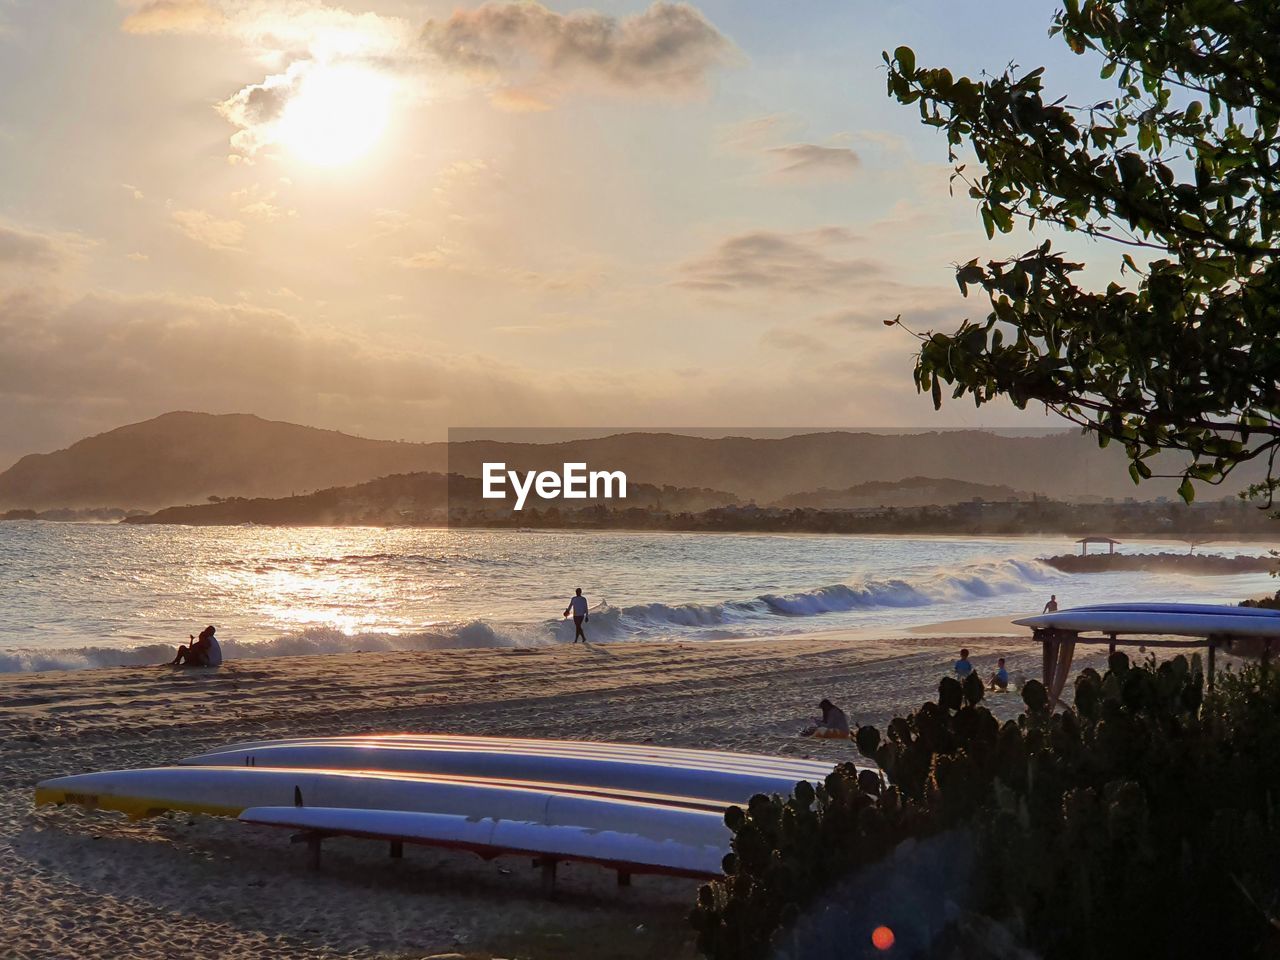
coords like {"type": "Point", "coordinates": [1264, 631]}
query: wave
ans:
{"type": "Point", "coordinates": [310, 642]}
{"type": "Point", "coordinates": [650, 621]}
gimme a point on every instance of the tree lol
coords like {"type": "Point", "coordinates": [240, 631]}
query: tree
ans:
{"type": "Point", "coordinates": [1179, 170]}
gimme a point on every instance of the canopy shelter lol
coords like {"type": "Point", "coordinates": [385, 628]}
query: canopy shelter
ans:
{"type": "Point", "coordinates": [1243, 630]}
{"type": "Point", "coordinates": [1059, 649]}
{"type": "Point", "coordinates": [1085, 541]}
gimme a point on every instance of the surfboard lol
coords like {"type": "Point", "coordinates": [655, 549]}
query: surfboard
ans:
{"type": "Point", "coordinates": [228, 790]}
{"type": "Point", "coordinates": [671, 756]}
{"type": "Point", "coordinates": [616, 772]}
{"type": "Point", "coordinates": [1155, 622]}
{"type": "Point", "coordinates": [1205, 608]}
{"type": "Point", "coordinates": [621, 850]}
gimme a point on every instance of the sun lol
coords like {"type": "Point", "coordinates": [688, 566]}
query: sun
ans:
{"type": "Point", "coordinates": [337, 115]}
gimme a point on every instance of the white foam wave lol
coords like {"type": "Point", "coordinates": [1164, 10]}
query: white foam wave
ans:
{"type": "Point", "coordinates": [652, 621]}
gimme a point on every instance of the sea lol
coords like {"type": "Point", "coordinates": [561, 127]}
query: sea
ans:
{"type": "Point", "coordinates": [87, 595]}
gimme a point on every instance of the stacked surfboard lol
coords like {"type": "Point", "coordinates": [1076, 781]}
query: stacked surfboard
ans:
{"type": "Point", "coordinates": [633, 808]}
{"type": "Point", "coordinates": [1173, 619]}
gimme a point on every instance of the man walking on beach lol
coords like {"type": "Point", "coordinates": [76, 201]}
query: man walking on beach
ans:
{"type": "Point", "coordinates": [1052, 605]}
{"type": "Point", "coordinates": [578, 604]}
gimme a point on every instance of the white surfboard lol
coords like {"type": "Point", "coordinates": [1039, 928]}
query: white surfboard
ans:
{"type": "Point", "coordinates": [620, 850]}
{"type": "Point", "coordinates": [617, 772]}
{"type": "Point", "coordinates": [1229, 610]}
{"type": "Point", "coordinates": [1155, 622]}
{"type": "Point", "coordinates": [227, 790]}
{"type": "Point", "coordinates": [671, 756]}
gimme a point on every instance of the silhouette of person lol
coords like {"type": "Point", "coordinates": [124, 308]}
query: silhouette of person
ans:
{"type": "Point", "coordinates": [204, 651]}
{"type": "Point", "coordinates": [578, 606]}
{"type": "Point", "coordinates": [1052, 605]}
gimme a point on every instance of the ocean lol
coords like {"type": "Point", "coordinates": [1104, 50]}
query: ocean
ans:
{"type": "Point", "coordinates": [85, 595]}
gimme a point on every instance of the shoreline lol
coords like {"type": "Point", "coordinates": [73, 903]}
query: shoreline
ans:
{"type": "Point", "coordinates": [1235, 538]}
{"type": "Point", "coordinates": [88, 883]}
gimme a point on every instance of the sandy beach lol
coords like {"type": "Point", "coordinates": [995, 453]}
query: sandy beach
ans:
{"type": "Point", "coordinates": [77, 883]}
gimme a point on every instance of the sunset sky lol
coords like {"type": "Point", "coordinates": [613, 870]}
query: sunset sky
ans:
{"type": "Point", "coordinates": [394, 217]}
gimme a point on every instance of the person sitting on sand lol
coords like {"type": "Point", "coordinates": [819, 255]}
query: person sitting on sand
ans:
{"type": "Point", "coordinates": [999, 679]}
{"type": "Point", "coordinates": [204, 651]}
{"type": "Point", "coordinates": [578, 604]}
{"type": "Point", "coordinates": [963, 666]}
{"type": "Point", "coordinates": [833, 723]}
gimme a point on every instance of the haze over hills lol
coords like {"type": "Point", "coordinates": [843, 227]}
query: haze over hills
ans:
{"type": "Point", "coordinates": [181, 458]}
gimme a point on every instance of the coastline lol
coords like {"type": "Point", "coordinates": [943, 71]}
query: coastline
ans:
{"type": "Point", "coordinates": [94, 883]}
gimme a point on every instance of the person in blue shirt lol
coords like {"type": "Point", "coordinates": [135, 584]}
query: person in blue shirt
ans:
{"type": "Point", "coordinates": [578, 606]}
{"type": "Point", "coordinates": [999, 679]}
{"type": "Point", "coordinates": [963, 666]}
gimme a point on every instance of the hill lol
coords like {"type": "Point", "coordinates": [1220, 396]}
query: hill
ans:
{"type": "Point", "coordinates": [409, 499]}
{"type": "Point", "coordinates": [911, 492]}
{"type": "Point", "coordinates": [187, 457]}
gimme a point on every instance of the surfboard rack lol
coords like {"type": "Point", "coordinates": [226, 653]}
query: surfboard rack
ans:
{"type": "Point", "coordinates": [1243, 630]}
{"type": "Point", "coordinates": [313, 840]}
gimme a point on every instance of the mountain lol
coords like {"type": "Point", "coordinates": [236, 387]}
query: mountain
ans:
{"type": "Point", "coordinates": [1064, 465]}
{"type": "Point", "coordinates": [911, 492]}
{"type": "Point", "coordinates": [407, 499]}
{"type": "Point", "coordinates": [187, 457]}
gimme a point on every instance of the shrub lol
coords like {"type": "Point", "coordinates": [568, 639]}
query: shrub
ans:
{"type": "Point", "coordinates": [1141, 822]}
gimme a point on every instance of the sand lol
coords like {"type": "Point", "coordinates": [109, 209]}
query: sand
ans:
{"type": "Point", "coordinates": [79, 883]}
{"type": "Point", "coordinates": [976, 627]}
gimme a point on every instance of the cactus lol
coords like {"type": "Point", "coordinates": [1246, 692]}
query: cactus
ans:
{"type": "Point", "coordinates": [1145, 821]}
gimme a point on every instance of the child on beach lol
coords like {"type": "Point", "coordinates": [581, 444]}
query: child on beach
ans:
{"type": "Point", "coordinates": [999, 679]}
{"type": "Point", "coordinates": [963, 666]}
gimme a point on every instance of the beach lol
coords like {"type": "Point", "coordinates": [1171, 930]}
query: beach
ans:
{"type": "Point", "coordinates": [81, 883]}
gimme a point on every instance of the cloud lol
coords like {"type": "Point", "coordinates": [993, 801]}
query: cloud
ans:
{"type": "Point", "coordinates": [521, 100]}
{"type": "Point", "coordinates": [670, 47]}
{"type": "Point", "coordinates": [447, 259]}
{"type": "Point", "coordinates": [788, 262]}
{"type": "Point", "coordinates": [786, 338]}
{"type": "Point", "coordinates": [81, 364]}
{"type": "Point", "coordinates": [753, 134]}
{"type": "Point", "coordinates": [810, 159]}
{"type": "Point", "coordinates": [760, 137]}
{"type": "Point", "coordinates": [173, 16]}
{"type": "Point", "coordinates": [26, 254]}
{"type": "Point", "coordinates": [26, 248]}
{"type": "Point", "coordinates": [554, 324]}
{"type": "Point", "coordinates": [203, 227]}
{"type": "Point", "coordinates": [527, 54]}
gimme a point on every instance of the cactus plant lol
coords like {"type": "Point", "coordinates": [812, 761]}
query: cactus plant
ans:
{"type": "Point", "coordinates": [1144, 821]}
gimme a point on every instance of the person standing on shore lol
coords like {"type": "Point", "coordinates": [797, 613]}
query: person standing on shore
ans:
{"type": "Point", "coordinates": [1052, 605]}
{"type": "Point", "coordinates": [578, 606]}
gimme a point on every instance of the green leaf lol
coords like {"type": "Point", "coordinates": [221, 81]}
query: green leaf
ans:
{"type": "Point", "coordinates": [1186, 490]}
{"type": "Point", "coordinates": [906, 59]}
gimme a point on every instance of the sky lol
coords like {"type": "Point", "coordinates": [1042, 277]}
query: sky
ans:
{"type": "Point", "coordinates": [393, 218]}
